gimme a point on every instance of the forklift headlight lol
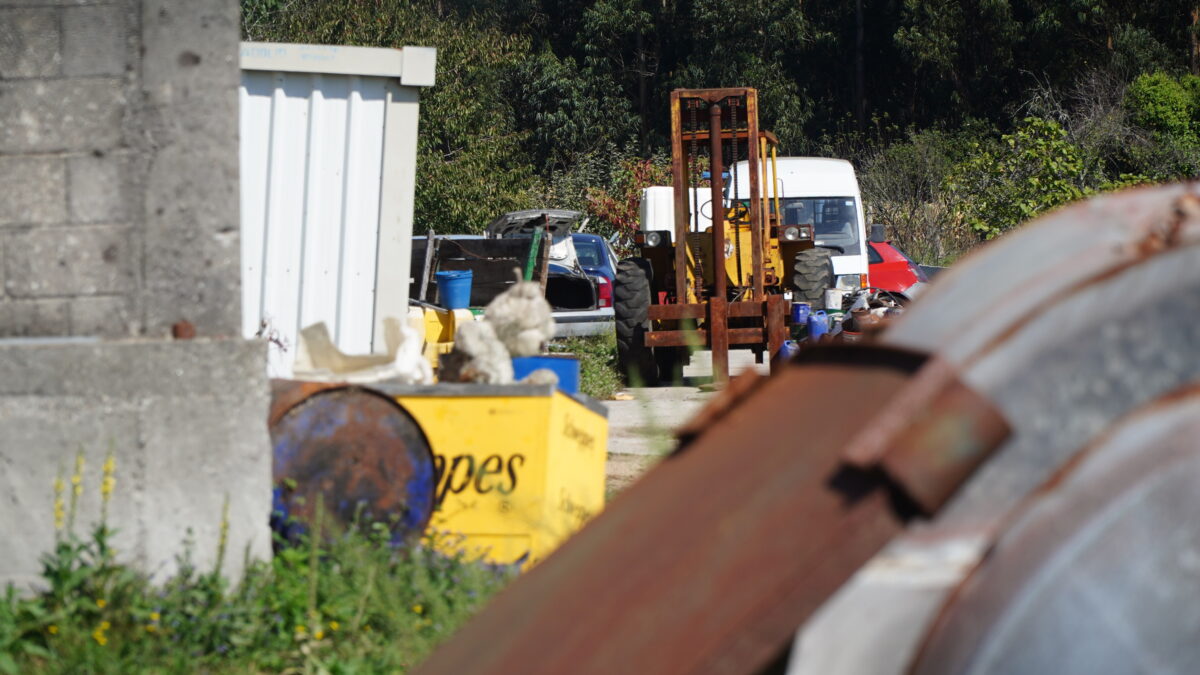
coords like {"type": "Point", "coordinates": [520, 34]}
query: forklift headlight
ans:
{"type": "Point", "coordinates": [654, 239]}
{"type": "Point", "coordinates": [791, 234]}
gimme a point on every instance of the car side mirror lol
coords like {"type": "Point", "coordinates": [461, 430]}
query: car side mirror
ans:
{"type": "Point", "coordinates": [877, 236]}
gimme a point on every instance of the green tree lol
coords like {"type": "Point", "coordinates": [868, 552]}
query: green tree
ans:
{"type": "Point", "coordinates": [1030, 171]}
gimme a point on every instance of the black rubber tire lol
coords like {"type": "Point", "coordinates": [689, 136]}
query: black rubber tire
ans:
{"type": "Point", "coordinates": [631, 304]}
{"type": "Point", "coordinates": [813, 274]}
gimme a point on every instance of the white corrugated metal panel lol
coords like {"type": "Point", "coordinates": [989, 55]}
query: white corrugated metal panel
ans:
{"type": "Point", "coordinates": [311, 158]}
{"type": "Point", "coordinates": [328, 166]}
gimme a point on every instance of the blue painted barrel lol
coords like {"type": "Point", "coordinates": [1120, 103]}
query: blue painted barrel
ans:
{"type": "Point", "coordinates": [363, 454]}
{"type": "Point", "coordinates": [454, 288]}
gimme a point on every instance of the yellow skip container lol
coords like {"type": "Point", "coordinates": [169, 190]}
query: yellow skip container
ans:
{"type": "Point", "coordinates": [519, 467]}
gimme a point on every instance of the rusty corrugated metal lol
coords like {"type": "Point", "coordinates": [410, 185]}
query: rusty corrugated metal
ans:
{"type": "Point", "coordinates": [711, 560]}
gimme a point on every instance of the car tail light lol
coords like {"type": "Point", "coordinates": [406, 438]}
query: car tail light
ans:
{"type": "Point", "coordinates": [604, 297]}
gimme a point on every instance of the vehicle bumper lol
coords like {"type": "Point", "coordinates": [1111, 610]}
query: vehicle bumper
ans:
{"type": "Point", "coordinates": [583, 323]}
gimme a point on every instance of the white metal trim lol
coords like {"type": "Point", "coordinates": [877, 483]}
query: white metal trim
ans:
{"type": "Point", "coordinates": [327, 59]}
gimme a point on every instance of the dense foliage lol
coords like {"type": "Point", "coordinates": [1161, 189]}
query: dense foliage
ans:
{"type": "Point", "coordinates": [963, 118]}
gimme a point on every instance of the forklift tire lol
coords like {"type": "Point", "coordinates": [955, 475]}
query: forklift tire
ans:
{"type": "Point", "coordinates": [631, 304]}
{"type": "Point", "coordinates": [814, 274]}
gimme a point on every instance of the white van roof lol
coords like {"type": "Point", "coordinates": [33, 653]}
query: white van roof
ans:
{"type": "Point", "coordinates": [807, 177]}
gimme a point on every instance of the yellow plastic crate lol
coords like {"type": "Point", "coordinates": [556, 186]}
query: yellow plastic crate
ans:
{"type": "Point", "coordinates": [520, 467]}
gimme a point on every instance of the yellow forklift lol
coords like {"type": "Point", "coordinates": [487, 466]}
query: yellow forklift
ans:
{"type": "Point", "coordinates": [720, 286]}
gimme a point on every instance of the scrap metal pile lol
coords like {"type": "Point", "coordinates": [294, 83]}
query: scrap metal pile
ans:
{"type": "Point", "coordinates": [1002, 481]}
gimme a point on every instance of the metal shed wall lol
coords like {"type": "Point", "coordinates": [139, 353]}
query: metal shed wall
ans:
{"type": "Point", "coordinates": [328, 162]}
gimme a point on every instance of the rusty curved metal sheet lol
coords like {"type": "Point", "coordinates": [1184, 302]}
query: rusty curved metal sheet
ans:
{"type": "Point", "coordinates": [1097, 573]}
{"type": "Point", "coordinates": [1076, 354]}
{"type": "Point", "coordinates": [358, 449]}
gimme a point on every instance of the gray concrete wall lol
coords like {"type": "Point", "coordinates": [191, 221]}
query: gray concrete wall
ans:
{"type": "Point", "coordinates": [118, 167]}
{"type": "Point", "coordinates": [186, 421]}
{"type": "Point", "coordinates": [119, 218]}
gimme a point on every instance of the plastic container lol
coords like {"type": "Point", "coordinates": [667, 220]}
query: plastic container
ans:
{"type": "Point", "coordinates": [800, 312]}
{"type": "Point", "coordinates": [818, 324]}
{"type": "Point", "coordinates": [834, 297]}
{"type": "Point", "coordinates": [789, 349]}
{"type": "Point", "coordinates": [454, 288]}
{"type": "Point", "coordinates": [565, 367]}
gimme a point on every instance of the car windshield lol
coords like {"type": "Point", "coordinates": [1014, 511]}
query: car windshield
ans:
{"type": "Point", "coordinates": [589, 253]}
{"type": "Point", "coordinates": [834, 220]}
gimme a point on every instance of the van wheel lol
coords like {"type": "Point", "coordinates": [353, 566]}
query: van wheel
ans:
{"type": "Point", "coordinates": [631, 305]}
{"type": "Point", "coordinates": [813, 274]}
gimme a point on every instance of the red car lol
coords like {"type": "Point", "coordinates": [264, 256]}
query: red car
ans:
{"type": "Point", "coordinates": [893, 271]}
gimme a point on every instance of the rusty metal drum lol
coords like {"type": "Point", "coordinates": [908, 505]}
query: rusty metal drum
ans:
{"type": "Point", "coordinates": [354, 450]}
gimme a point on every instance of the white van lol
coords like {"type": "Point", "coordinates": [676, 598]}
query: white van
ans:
{"type": "Point", "coordinates": [822, 192]}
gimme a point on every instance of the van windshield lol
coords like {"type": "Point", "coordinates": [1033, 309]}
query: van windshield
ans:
{"type": "Point", "coordinates": [834, 220]}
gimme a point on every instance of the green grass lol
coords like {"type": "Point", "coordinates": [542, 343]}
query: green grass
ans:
{"type": "Point", "coordinates": [345, 603]}
{"type": "Point", "coordinates": [598, 375]}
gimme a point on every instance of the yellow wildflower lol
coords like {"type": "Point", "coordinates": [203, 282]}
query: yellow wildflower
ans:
{"type": "Point", "coordinates": [52, 629]}
{"type": "Point", "coordinates": [98, 634]}
{"type": "Point", "coordinates": [334, 626]}
{"type": "Point", "coordinates": [319, 634]}
{"type": "Point", "coordinates": [101, 602]}
{"type": "Point", "coordinates": [418, 609]}
{"type": "Point", "coordinates": [155, 616]}
{"type": "Point", "coordinates": [109, 481]}
{"type": "Point", "coordinates": [301, 629]}
{"type": "Point", "coordinates": [60, 505]}
{"type": "Point", "coordinates": [150, 628]}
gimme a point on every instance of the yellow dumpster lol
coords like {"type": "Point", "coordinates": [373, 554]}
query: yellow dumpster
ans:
{"type": "Point", "coordinates": [518, 467]}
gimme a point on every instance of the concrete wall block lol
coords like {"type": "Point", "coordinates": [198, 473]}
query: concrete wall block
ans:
{"type": "Point", "coordinates": [226, 368]}
{"type": "Point", "coordinates": [191, 243]}
{"type": "Point", "coordinates": [35, 190]}
{"type": "Point", "coordinates": [29, 43]}
{"type": "Point", "coordinates": [69, 261]}
{"type": "Point", "coordinates": [40, 440]}
{"type": "Point", "coordinates": [58, 115]}
{"type": "Point", "coordinates": [181, 445]}
{"type": "Point", "coordinates": [106, 316]}
{"type": "Point", "coordinates": [22, 318]}
{"type": "Point", "coordinates": [190, 76]}
{"type": "Point", "coordinates": [94, 40]}
{"type": "Point", "coordinates": [190, 479]}
{"type": "Point", "coordinates": [100, 188]}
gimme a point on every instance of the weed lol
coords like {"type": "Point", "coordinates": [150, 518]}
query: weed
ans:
{"type": "Point", "coordinates": [330, 602]}
{"type": "Point", "coordinates": [598, 375]}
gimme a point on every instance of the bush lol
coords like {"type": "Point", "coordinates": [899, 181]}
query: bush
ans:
{"type": "Point", "coordinates": [903, 188]}
{"type": "Point", "coordinates": [599, 377]}
{"type": "Point", "coordinates": [1030, 171]}
{"type": "Point", "coordinates": [346, 602]}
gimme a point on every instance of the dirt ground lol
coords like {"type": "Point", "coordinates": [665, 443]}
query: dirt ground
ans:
{"type": "Point", "coordinates": [641, 428]}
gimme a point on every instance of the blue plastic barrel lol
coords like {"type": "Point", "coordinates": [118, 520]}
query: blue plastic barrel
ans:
{"type": "Point", "coordinates": [818, 324]}
{"type": "Point", "coordinates": [454, 288]}
{"type": "Point", "coordinates": [800, 312]}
